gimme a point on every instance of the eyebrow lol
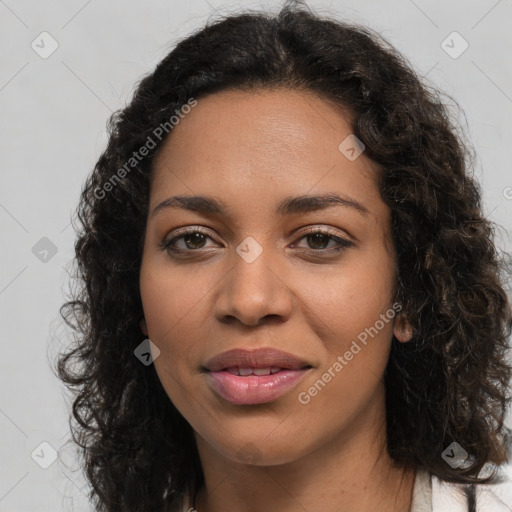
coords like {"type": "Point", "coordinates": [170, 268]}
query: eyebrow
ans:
{"type": "Point", "coordinates": [289, 206]}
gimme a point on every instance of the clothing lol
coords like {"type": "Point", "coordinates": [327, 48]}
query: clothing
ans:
{"type": "Point", "coordinates": [431, 494]}
{"type": "Point", "coordinates": [448, 497]}
{"type": "Point", "coordinates": [422, 492]}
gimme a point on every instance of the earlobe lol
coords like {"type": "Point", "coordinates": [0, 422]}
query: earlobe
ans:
{"type": "Point", "coordinates": [143, 326]}
{"type": "Point", "coordinates": [402, 329]}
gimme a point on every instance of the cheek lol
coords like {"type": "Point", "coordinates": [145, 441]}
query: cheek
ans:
{"type": "Point", "coordinates": [169, 308]}
{"type": "Point", "coordinates": [357, 345]}
{"type": "Point", "coordinates": [174, 303]}
{"type": "Point", "coordinates": [170, 299]}
{"type": "Point", "coordinates": [347, 308]}
{"type": "Point", "coordinates": [351, 297]}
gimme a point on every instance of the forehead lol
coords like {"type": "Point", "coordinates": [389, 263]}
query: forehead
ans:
{"type": "Point", "coordinates": [258, 147]}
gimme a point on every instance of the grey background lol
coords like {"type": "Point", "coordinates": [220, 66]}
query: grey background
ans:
{"type": "Point", "coordinates": [53, 115]}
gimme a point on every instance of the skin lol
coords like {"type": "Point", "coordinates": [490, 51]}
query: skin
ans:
{"type": "Point", "coordinates": [251, 150]}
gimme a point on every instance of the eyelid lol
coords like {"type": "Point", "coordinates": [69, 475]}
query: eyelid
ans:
{"type": "Point", "coordinates": [190, 229]}
{"type": "Point", "coordinates": [205, 231]}
{"type": "Point", "coordinates": [323, 229]}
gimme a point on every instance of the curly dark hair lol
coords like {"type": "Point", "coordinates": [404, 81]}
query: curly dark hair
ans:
{"type": "Point", "coordinates": [449, 383]}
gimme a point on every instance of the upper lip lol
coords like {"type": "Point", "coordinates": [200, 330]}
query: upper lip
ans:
{"type": "Point", "coordinates": [255, 358]}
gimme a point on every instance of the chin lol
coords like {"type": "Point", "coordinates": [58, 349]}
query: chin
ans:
{"type": "Point", "coordinates": [259, 450]}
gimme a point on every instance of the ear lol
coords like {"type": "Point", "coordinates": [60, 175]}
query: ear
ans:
{"type": "Point", "coordinates": [143, 326]}
{"type": "Point", "coordinates": [402, 329]}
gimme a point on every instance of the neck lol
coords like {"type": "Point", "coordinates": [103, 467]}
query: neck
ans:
{"type": "Point", "coordinates": [351, 471]}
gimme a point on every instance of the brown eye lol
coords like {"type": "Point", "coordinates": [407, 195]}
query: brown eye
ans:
{"type": "Point", "coordinates": [318, 240]}
{"type": "Point", "coordinates": [194, 241]}
{"type": "Point", "coordinates": [188, 241]}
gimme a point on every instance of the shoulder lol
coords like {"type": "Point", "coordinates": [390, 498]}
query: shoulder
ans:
{"type": "Point", "coordinates": [496, 497]}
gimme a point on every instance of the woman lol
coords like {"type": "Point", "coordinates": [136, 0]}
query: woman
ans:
{"type": "Point", "coordinates": [292, 299]}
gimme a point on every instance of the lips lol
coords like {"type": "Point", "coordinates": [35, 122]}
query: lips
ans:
{"type": "Point", "coordinates": [253, 371]}
{"type": "Point", "coordinates": [258, 358]}
{"type": "Point", "coordinates": [246, 377]}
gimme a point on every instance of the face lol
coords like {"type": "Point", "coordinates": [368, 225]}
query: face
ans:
{"type": "Point", "coordinates": [249, 268]}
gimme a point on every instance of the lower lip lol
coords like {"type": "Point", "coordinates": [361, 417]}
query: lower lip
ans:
{"type": "Point", "coordinates": [254, 389]}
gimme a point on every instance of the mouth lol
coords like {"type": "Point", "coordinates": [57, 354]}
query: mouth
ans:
{"type": "Point", "coordinates": [259, 359]}
{"type": "Point", "coordinates": [248, 377]}
{"type": "Point", "coordinates": [244, 372]}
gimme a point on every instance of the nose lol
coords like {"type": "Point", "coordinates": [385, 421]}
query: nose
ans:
{"type": "Point", "coordinates": [254, 293]}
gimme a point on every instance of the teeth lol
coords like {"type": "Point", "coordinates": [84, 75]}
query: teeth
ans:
{"type": "Point", "coordinates": [261, 371]}
{"type": "Point", "coordinates": [252, 371]}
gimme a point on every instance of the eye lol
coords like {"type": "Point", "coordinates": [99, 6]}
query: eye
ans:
{"type": "Point", "coordinates": [192, 240]}
{"type": "Point", "coordinates": [318, 239]}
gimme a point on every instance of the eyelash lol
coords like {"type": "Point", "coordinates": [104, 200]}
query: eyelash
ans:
{"type": "Point", "coordinates": [168, 245]}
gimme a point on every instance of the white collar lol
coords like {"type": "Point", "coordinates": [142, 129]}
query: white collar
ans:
{"type": "Point", "coordinates": [449, 497]}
